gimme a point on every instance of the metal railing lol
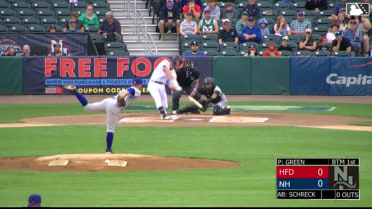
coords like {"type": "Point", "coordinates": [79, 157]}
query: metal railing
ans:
{"type": "Point", "coordinates": [130, 7]}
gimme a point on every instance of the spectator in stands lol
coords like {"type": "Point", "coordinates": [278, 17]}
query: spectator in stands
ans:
{"type": "Point", "coordinates": [363, 24]}
{"type": "Point", "coordinates": [52, 29]}
{"type": "Point", "coordinates": [57, 50]}
{"type": "Point", "coordinates": [10, 51]}
{"type": "Point", "coordinates": [252, 51]}
{"type": "Point", "coordinates": [330, 36]}
{"type": "Point", "coordinates": [193, 8]}
{"type": "Point", "coordinates": [194, 50]}
{"type": "Point", "coordinates": [336, 9]}
{"type": "Point", "coordinates": [299, 25]}
{"type": "Point", "coordinates": [208, 25]}
{"type": "Point", "coordinates": [110, 28]}
{"type": "Point", "coordinates": [72, 27]}
{"type": "Point", "coordinates": [214, 9]}
{"type": "Point", "coordinates": [341, 21]}
{"type": "Point", "coordinates": [251, 33]}
{"type": "Point", "coordinates": [227, 34]}
{"type": "Point", "coordinates": [243, 22]}
{"type": "Point", "coordinates": [229, 12]}
{"type": "Point", "coordinates": [281, 27]}
{"type": "Point", "coordinates": [341, 43]}
{"type": "Point", "coordinates": [26, 50]}
{"type": "Point", "coordinates": [323, 45]}
{"type": "Point", "coordinates": [34, 201]}
{"type": "Point", "coordinates": [79, 23]}
{"type": "Point", "coordinates": [316, 5]}
{"type": "Point", "coordinates": [284, 45]}
{"type": "Point", "coordinates": [188, 26]}
{"type": "Point", "coordinates": [307, 42]}
{"type": "Point", "coordinates": [183, 3]}
{"type": "Point", "coordinates": [263, 27]}
{"type": "Point", "coordinates": [89, 18]}
{"type": "Point", "coordinates": [252, 9]}
{"type": "Point", "coordinates": [355, 37]}
{"type": "Point", "coordinates": [271, 52]}
{"type": "Point", "coordinates": [169, 19]}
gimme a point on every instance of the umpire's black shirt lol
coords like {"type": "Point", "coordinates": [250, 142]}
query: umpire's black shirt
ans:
{"type": "Point", "coordinates": [185, 79]}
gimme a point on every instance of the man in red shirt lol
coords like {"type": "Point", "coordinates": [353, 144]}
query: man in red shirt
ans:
{"type": "Point", "coordinates": [271, 52]}
{"type": "Point", "coordinates": [193, 8]}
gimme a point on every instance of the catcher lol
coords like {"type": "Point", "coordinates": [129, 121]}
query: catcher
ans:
{"type": "Point", "coordinates": [215, 99]}
{"type": "Point", "coordinates": [112, 106]}
{"type": "Point", "coordinates": [186, 75]}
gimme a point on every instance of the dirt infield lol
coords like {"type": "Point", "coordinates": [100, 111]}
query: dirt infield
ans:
{"type": "Point", "coordinates": [95, 162]}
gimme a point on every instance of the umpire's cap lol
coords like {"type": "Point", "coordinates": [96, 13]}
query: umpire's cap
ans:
{"type": "Point", "coordinates": [137, 81]}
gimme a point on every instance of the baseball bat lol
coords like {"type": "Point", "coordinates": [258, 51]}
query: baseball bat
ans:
{"type": "Point", "coordinates": [195, 102]}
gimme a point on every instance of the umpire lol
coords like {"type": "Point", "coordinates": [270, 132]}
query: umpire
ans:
{"type": "Point", "coordinates": [186, 75]}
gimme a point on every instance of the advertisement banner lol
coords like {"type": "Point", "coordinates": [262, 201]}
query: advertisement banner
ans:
{"type": "Point", "coordinates": [93, 75]}
{"type": "Point", "coordinates": [308, 75]}
{"type": "Point", "coordinates": [42, 44]}
{"type": "Point", "coordinates": [350, 76]}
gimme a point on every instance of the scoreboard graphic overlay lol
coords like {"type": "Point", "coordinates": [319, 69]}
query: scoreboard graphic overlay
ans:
{"type": "Point", "coordinates": [336, 178]}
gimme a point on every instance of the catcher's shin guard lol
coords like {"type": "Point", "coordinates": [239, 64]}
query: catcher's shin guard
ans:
{"type": "Point", "coordinates": [217, 110]}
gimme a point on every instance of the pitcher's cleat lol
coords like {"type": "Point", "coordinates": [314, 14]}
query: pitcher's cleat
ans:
{"type": "Point", "coordinates": [71, 88]}
{"type": "Point", "coordinates": [109, 151]}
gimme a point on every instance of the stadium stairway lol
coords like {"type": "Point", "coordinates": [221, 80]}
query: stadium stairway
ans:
{"type": "Point", "coordinates": [168, 47]}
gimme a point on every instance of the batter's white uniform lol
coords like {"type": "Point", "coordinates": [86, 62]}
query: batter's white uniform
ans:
{"type": "Point", "coordinates": [111, 107]}
{"type": "Point", "coordinates": [157, 82]}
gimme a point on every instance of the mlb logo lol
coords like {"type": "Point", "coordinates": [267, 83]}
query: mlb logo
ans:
{"type": "Point", "coordinates": [356, 9]}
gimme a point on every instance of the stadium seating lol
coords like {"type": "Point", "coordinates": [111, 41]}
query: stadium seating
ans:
{"type": "Point", "coordinates": [229, 46]}
{"type": "Point", "coordinates": [36, 28]}
{"type": "Point", "coordinates": [303, 53]}
{"type": "Point", "coordinates": [5, 5]}
{"type": "Point", "coordinates": [24, 13]}
{"type": "Point", "coordinates": [61, 5]}
{"type": "Point", "coordinates": [322, 54]}
{"type": "Point", "coordinates": [12, 21]}
{"type": "Point", "coordinates": [211, 53]}
{"type": "Point", "coordinates": [211, 46]}
{"type": "Point", "coordinates": [18, 28]}
{"type": "Point", "coordinates": [30, 21]}
{"type": "Point", "coordinates": [7, 13]}
{"type": "Point", "coordinates": [117, 53]}
{"type": "Point", "coordinates": [227, 52]}
{"type": "Point", "coordinates": [21, 5]}
{"type": "Point", "coordinates": [286, 53]}
{"type": "Point", "coordinates": [3, 28]}
{"type": "Point", "coordinates": [342, 54]}
{"type": "Point", "coordinates": [209, 37]}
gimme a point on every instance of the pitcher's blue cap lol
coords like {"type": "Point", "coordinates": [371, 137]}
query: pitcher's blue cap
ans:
{"type": "Point", "coordinates": [34, 199]}
{"type": "Point", "coordinates": [137, 81]}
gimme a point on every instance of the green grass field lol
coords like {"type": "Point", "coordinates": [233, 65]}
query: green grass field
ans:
{"type": "Point", "coordinates": [251, 184]}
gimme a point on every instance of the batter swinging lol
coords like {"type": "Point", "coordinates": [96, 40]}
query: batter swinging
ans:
{"type": "Point", "coordinates": [112, 106]}
{"type": "Point", "coordinates": [163, 74]}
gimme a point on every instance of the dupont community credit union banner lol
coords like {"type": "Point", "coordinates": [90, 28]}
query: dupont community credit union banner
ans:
{"type": "Point", "coordinates": [93, 75]}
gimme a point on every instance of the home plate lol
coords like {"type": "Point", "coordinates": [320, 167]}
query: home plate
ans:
{"type": "Point", "coordinates": [234, 119]}
{"type": "Point", "coordinates": [59, 162]}
{"type": "Point", "coordinates": [117, 163]}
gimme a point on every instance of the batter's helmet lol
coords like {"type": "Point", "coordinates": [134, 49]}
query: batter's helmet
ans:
{"type": "Point", "coordinates": [174, 60]}
{"type": "Point", "coordinates": [209, 80]}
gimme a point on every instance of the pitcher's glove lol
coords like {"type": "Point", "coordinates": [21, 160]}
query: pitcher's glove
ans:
{"type": "Point", "coordinates": [121, 103]}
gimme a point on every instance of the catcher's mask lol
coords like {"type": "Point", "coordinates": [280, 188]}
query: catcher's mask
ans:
{"type": "Point", "coordinates": [208, 83]}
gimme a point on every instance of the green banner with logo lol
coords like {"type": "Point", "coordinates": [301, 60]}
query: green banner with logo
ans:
{"type": "Point", "coordinates": [11, 75]}
{"type": "Point", "coordinates": [232, 74]}
{"type": "Point", "coordinates": [270, 75]}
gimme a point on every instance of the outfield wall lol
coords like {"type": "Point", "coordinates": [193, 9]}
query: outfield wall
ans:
{"type": "Point", "coordinates": [235, 75]}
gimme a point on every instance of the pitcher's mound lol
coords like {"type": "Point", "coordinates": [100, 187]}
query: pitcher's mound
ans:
{"type": "Point", "coordinates": [98, 162]}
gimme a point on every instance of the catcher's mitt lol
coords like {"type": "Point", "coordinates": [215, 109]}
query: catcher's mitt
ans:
{"type": "Point", "coordinates": [121, 103]}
